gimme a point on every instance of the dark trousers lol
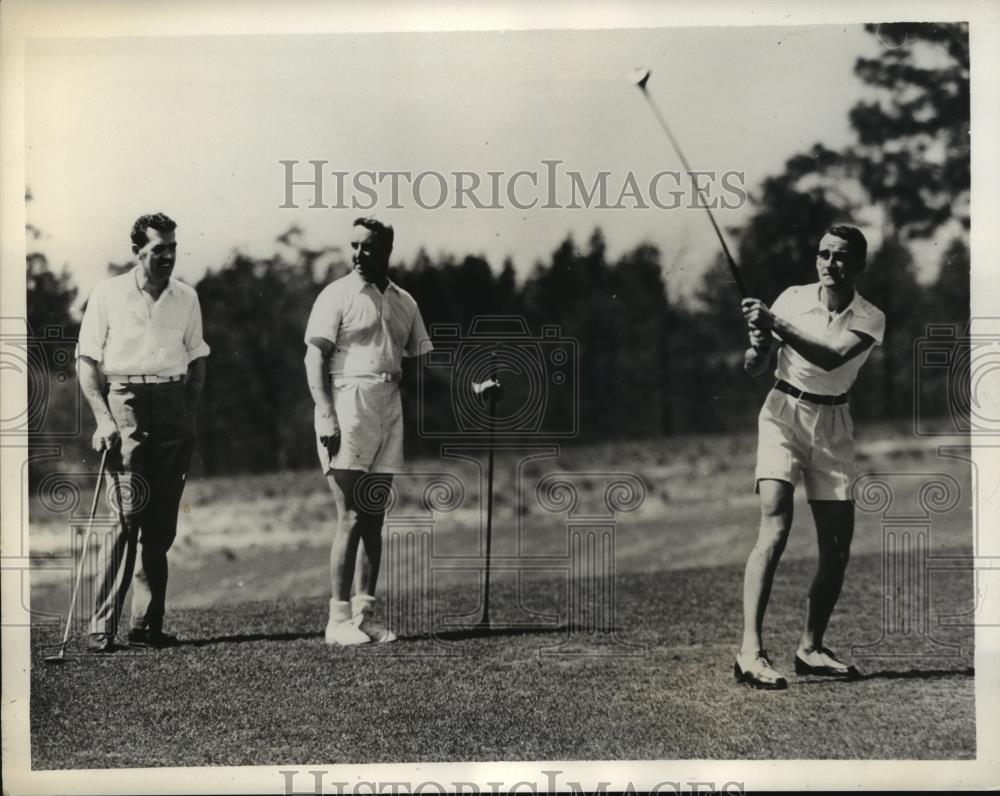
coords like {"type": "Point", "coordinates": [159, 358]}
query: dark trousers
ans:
{"type": "Point", "coordinates": [148, 473]}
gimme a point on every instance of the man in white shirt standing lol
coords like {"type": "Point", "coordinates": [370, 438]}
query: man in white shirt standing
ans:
{"type": "Point", "coordinates": [141, 360]}
{"type": "Point", "coordinates": [824, 333]}
{"type": "Point", "coordinates": [360, 328]}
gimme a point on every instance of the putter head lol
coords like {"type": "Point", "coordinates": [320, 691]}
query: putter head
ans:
{"type": "Point", "coordinates": [639, 77]}
{"type": "Point", "coordinates": [55, 660]}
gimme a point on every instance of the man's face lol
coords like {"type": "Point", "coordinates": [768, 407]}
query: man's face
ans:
{"type": "Point", "coordinates": [834, 264]}
{"type": "Point", "coordinates": [370, 257]}
{"type": "Point", "coordinates": [157, 256]}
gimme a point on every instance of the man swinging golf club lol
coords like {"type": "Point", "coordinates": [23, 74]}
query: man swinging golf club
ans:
{"type": "Point", "coordinates": [360, 328]}
{"type": "Point", "coordinates": [823, 333]}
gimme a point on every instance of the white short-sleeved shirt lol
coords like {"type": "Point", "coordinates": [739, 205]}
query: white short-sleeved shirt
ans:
{"type": "Point", "coordinates": [371, 331]}
{"type": "Point", "coordinates": [800, 306]}
{"type": "Point", "coordinates": [129, 334]}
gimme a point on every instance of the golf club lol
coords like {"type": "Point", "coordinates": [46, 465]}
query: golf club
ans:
{"type": "Point", "coordinates": [60, 657]}
{"type": "Point", "coordinates": [640, 77]}
{"type": "Point", "coordinates": [492, 387]}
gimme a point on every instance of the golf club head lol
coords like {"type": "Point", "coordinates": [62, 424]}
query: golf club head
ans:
{"type": "Point", "coordinates": [55, 660]}
{"type": "Point", "coordinates": [639, 77]}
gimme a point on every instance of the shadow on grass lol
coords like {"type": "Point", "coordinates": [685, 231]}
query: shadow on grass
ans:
{"type": "Point", "coordinates": [245, 637]}
{"type": "Point", "coordinates": [487, 631]}
{"type": "Point", "coordinates": [919, 674]}
{"type": "Point", "coordinates": [891, 674]}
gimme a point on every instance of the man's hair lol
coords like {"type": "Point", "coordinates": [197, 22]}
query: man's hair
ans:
{"type": "Point", "coordinates": [383, 232]}
{"type": "Point", "coordinates": [158, 221]}
{"type": "Point", "coordinates": [857, 246]}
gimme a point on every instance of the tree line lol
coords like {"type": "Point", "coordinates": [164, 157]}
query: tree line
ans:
{"type": "Point", "coordinates": [650, 364]}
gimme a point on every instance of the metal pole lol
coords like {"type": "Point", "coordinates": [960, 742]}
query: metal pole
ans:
{"type": "Point", "coordinates": [485, 619]}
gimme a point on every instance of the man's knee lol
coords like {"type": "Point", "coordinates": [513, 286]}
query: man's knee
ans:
{"type": "Point", "coordinates": [349, 521]}
{"type": "Point", "coordinates": [156, 544]}
{"type": "Point", "coordinates": [775, 515]}
{"type": "Point", "coordinates": [772, 537]}
{"type": "Point", "coordinates": [834, 558]}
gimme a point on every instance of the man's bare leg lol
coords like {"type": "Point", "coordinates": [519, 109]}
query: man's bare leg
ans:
{"type": "Point", "coordinates": [776, 508]}
{"type": "Point", "coordinates": [344, 551]}
{"type": "Point", "coordinates": [753, 666]}
{"type": "Point", "coordinates": [347, 532]}
{"type": "Point", "coordinates": [834, 533]}
{"type": "Point", "coordinates": [371, 516]}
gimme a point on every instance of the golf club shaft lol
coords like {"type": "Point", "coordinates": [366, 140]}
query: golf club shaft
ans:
{"type": "Point", "coordinates": [83, 551]}
{"type": "Point", "coordinates": [741, 286]}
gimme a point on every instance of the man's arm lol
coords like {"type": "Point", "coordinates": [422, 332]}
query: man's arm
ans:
{"type": "Point", "coordinates": [757, 358]}
{"type": "Point", "coordinates": [92, 385]}
{"type": "Point", "coordinates": [827, 355]}
{"type": "Point", "coordinates": [318, 353]}
{"type": "Point", "coordinates": [194, 384]}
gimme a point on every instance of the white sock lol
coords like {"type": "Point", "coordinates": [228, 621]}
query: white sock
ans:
{"type": "Point", "coordinates": [361, 605]}
{"type": "Point", "coordinates": [340, 610]}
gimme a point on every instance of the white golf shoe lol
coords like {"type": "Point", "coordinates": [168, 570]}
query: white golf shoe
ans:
{"type": "Point", "coordinates": [362, 607]}
{"type": "Point", "coordinates": [341, 629]}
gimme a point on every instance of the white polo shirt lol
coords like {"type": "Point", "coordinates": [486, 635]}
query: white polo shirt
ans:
{"type": "Point", "coordinates": [129, 334]}
{"type": "Point", "coordinates": [371, 331]}
{"type": "Point", "coordinates": [800, 306]}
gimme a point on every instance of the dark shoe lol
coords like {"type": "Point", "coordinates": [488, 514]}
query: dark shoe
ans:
{"type": "Point", "coordinates": [100, 643]}
{"type": "Point", "coordinates": [759, 672]}
{"type": "Point", "coordinates": [143, 637]}
{"type": "Point", "coordinates": [824, 664]}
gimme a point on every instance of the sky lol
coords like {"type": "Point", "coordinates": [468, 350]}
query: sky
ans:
{"type": "Point", "coordinates": [196, 126]}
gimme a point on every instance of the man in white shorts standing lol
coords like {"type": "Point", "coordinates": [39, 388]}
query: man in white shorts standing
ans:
{"type": "Point", "coordinates": [823, 333]}
{"type": "Point", "coordinates": [360, 328]}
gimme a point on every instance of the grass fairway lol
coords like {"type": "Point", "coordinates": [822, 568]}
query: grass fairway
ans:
{"type": "Point", "coordinates": [255, 685]}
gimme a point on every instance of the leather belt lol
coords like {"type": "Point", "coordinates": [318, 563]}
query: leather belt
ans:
{"type": "Point", "coordinates": [795, 392]}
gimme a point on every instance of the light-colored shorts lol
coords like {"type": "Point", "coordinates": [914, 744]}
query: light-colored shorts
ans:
{"type": "Point", "coordinates": [797, 437]}
{"type": "Point", "coordinates": [370, 416]}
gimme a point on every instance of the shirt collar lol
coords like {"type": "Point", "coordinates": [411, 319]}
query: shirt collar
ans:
{"type": "Point", "coordinates": [135, 280]}
{"type": "Point", "coordinates": [815, 305]}
{"type": "Point", "coordinates": [361, 284]}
